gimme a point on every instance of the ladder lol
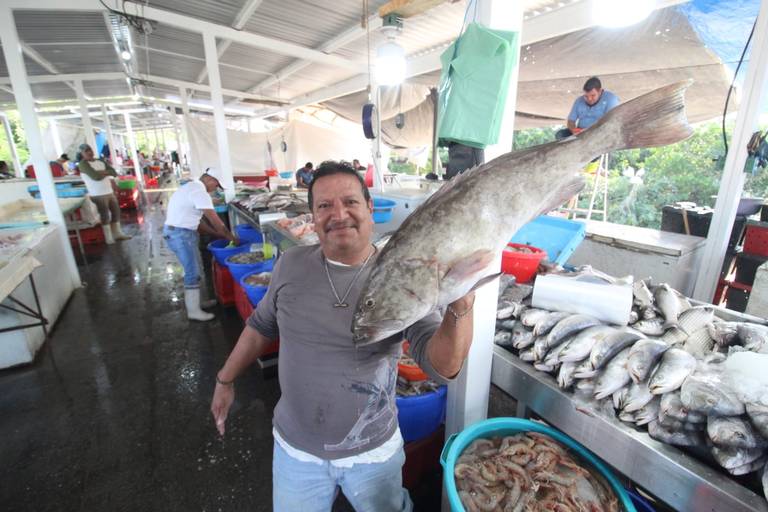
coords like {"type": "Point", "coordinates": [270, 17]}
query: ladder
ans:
{"type": "Point", "coordinates": [599, 184]}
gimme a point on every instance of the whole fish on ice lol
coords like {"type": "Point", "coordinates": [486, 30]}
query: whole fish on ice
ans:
{"type": "Point", "coordinates": [428, 264]}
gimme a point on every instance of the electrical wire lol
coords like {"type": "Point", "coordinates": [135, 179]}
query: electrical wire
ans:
{"type": "Point", "coordinates": [139, 23]}
{"type": "Point", "coordinates": [730, 89]}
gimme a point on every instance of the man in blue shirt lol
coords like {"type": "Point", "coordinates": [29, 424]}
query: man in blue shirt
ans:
{"type": "Point", "coordinates": [304, 176]}
{"type": "Point", "coordinates": [588, 108]}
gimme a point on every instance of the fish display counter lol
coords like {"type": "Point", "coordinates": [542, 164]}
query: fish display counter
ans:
{"type": "Point", "coordinates": [663, 399]}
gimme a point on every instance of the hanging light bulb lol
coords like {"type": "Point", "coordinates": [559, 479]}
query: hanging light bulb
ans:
{"type": "Point", "coordinates": [125, 55]}
{"type": "Point", "coordinates": [621, 13]}
{"type": "Point", "coordinates": [390, 64]}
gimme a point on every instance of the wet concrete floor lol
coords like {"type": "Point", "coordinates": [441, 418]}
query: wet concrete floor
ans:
{"type": "Point", "coordinates": [113, 414]}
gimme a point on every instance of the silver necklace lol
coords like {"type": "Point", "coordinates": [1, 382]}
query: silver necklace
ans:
{"type": "Point", "coordinates": [341, 302]}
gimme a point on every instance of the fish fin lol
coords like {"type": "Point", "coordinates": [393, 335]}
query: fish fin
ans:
{"type": "Point", "coordinates": [485, 280]}
{"type": "Point", "coordinates": [562, 194]}
{"type": "Point", "coordinates": [464, 268]}
{"type": "Point", "coordinates": [653, 119]}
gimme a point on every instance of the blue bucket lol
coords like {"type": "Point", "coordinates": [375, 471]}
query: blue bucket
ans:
{"type": "Point", "coordinates": [420, 415]}
{"type": "Point", "coordinates": [221, 252]}
{"type": "Point", "coordinates": [382, 210]}
{"type": "Point", "coordinates": [239, 270]}
{"type": "Point", "coordinates": [456, 444]}
{"type": "Point", "coordinates": [254, 293]}
{"type": "Point", "coordinates": [247, 233]}
{"type": "Point", "coordinates": [286, 175]}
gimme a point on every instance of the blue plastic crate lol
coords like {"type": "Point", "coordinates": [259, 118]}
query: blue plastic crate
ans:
{"type": "Point", "coordinates": [559, 237]}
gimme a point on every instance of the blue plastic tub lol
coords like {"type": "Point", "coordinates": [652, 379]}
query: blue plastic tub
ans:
{"type": "Point", "coordinates": [248, 233]}
{"type": "Point", "coordinates": [254, 293]}
{"type": "Point", "coordinates": [420, 415]}
{"type": "Point", "coordinates": [382, 210]}
{"type": "Point", "coordinates": [59, 186]}
{"type": "Point", "coordinates": [558, 237]}
{"type": "Point", "coordinates": [239, 270]}
{"type": "Point", "coordinates": [506, 426]}
{"type": "Point", "coordinates": [221, 252]}
{"type": "Point", "coordinates": [286, 175]}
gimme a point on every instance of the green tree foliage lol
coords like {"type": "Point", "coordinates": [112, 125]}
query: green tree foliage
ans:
{"type": "Point", "coordinates": [18, 137]}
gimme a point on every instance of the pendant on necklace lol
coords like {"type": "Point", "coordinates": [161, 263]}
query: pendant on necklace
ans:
{"type": "Point", "coordinates": [341, 305]}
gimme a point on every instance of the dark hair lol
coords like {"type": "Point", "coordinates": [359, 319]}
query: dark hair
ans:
{"type": "Point", "coordinates": [592, 83]}
{"type": "Point", "coordinates": [308, 165]}
{"type": "Point", "coordinates": [64, 157]}
{"type": "Point", "coordinates": [329, 168]}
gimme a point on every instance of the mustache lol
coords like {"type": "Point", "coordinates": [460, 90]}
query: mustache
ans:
{"type": "Point", "coordinates": [340, 225]}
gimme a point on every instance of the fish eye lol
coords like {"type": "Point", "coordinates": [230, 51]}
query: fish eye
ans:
{"type": "Point", "coordinates": [369, 303]}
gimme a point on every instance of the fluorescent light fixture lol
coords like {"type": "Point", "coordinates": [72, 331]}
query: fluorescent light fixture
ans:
{"type": "Point", "coordinates": [621, 13]}
{"type": "Point", "coordinates": [125, 55]}
{"type": "Point", "coordinates": [390, 64]}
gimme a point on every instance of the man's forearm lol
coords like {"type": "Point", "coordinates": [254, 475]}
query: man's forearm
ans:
{"type": "Point", "coordinates": [449, 346]}
{"type": "Point", "coordinates": [571, 125]}
{"type": "Point", "coordinates": [249, 347]}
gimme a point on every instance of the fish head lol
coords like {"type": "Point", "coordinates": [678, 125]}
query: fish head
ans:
{"type": "Point", "coordinates": [397, 294]}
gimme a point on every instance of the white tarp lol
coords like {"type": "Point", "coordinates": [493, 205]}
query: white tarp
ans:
{"type": "Point", "coordinates": [253, 153]}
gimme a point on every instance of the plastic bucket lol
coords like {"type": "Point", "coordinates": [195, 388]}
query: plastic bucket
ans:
{"type": "Point", "coordinates": [239, 270]}
{"type": "Point", "coordinates": [456, 444]}
{"type": "Point", "coordinates": [420, 415]}
{"type": "Point", "coordinates": [254, 293]}
{"type": "Point", "coordinates": [522, 265]}
{"type": "Point", "coordinates": [221, 252]}
{"type": "Point", "coordinates": [247, 233]}
{"type": "Point", "coordinates": [286, 175]}
{"type": "Point", "coordinates": [382, 210]}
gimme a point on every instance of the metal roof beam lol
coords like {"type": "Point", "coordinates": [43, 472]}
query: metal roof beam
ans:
{"type": "Point", "coordinates": [44, 63]}
{"type": "Point", "coordinates": [240, 20]}
{"type": "Point", "coordinates": [197, 25]}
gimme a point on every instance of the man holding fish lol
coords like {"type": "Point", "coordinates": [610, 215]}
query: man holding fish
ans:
{"type": "Point", "coordinates": [336, 422]}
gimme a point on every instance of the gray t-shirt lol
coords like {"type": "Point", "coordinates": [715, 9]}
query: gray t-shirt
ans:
{"type": "Point", "coordinates": [337, 400]}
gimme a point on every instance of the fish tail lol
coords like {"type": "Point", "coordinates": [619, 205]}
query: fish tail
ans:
{"type": "Point", "coordinates": [653, 119]}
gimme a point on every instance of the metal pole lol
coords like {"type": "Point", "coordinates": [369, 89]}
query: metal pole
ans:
{"type": "Point", "coordinates": [379, 166]}
{"type": "Point", "coordinates": [217, 98]}
{"type": "Point", "coordinates": [185, 128]}
{"type": "Point", "coordinates": [110, 135]}
{"type": "Point", "coordinates": [133, 149]}
{"type": "Point", "coordinates": [177, 134]}
{"type": "Point", "coordinates": [90, 136]}
{"type": "Point", "coordinates": [732, 181]}
{"type": "Point", "coordinates": [56, 137]}
{"type": "Point", "coordinates": [18, 171]}
{"type": "Point", "coordinates": [162, 139]}
{"type": "Point", "coordinates": [25, 102]}
{"type": "Point", "coordinates": [434, 97]}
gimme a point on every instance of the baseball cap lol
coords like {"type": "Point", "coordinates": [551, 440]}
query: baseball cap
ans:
{"type": "Point", "coordinates": [214, 173]}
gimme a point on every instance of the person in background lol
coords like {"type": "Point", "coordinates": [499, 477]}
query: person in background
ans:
{"type": "Point", "coordinates": [190, 204]}
{"type": "Point", "coordinates": [97, 175]}
{"type": "Point", "coordinates": [336, 422]}
{"type": "Point", "coordinates": [59, 166]}
{"type": "Point", "coordinates": [5, 172]}
{"type": "Point", "coordinates": [588, 108]}
{"type": "Point", "coordinates": [356, 165]}
{"type": "Point", "coordinates": [304, 176]}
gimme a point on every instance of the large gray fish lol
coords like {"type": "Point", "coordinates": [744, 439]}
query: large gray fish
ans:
{"type": "Point", "coordinates": [725, 334]}
{"type": "Point", "coordinates": [568, 326]}
{"type": "Point", "coordinates": [649, 412]}
{"type": "Point", "coordinates": [521, 337]}
{"type": "Point", "coordinates": [730, 458]}
{"type": "Point", "coordinates": [753, 335]}
{"type": "Point", "coordinates": [750, 467]}
{"type": "Point", "coordinates": [696, 318]}
{"type": "Point", "coordinates": [638, 395]}
{"type": "Point", "coordinates": [758, 414]}
{"type": "Point", "coordinates": [676, 437]}
{"type": "Point", "coordinates": [672, 406]}
{"type": "Point", "coordinates": [604, 350]}
{"type": "Point", "coordinates": [643, 297]}
{"type": "Point", "coordinates": [667, 302]}
{"type": "Point", "coordinates": [699, 343]}
{"type": "Point", "coordinates": [565, 375]}
{"type": "Point", "coordinates": [579, 347]}
{"type": "Point", "coordinates": [643, 357]}
{"type": "Point", "coordinates": [707, 392]}
{"type": "Point", "coordinates": [614, 376]}
{"type": "Point", "coordinates": [674, 336]}
{"type": "Point", "coordinates": [735, 432]}
{"type": "Point", "coordinates": [650, 327]}
{"type": "Point", "coordinates": [676, 364]}
{"type": "Point", "coordinates": [427, 265]}
{"type": "Point", "coordinates": [531, 316]}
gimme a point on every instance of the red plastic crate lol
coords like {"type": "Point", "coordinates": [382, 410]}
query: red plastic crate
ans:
{"type": "Point", "coordinates": [756, 238]}
{"type": "Point", "coordinates": [89, 236]}
{"type": "Point", "coordinates": [223, 285]}
{"type": "Point", "coordinates": [242, 303]}
{"type": "Point", "coordinates": [128, 199]}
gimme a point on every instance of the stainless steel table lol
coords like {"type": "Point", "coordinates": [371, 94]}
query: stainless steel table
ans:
{"type": "Point", "coordinates": [675, 477]}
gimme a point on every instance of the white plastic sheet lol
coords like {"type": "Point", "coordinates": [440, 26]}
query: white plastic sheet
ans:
{"type": "Point", "coordinates": [587, 295]}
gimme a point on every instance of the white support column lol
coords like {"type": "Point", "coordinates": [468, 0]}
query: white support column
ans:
{"type": "Point", "coordinates": [468, 394]}
{"type": "Point", "coordinates": [25, 102]}
{"type": "Point", "coordinates": [217, 98]}
{"type": "Point", "coordinates": [379, 165]}
{"type": "Point", "coordinates": [110, 136]}
{"type": "Point", "coordinates": [90, 136]}
{"type": "Point", "coordinates": [133, 149]}
{"type": "Point", "coordinates": [56, 137]}
{"type": "Point", "coordinates": [185, 129]}
{"type": "Point", "coordinates": [162, 139]}
{"type": "Point", "coordinates": [732, 181]}
{"type": "Point", "coordinates": [17, 170]}
{"type": "Point", "coordinates": [177, 134]}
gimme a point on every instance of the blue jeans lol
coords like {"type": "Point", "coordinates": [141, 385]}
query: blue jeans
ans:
{"type": "Point", "coordinates": [184, 243]}
{"type": "Point", "coordinates": [311, 487]}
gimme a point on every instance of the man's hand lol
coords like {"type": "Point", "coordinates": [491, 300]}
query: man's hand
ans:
{"type": "Point", "coordinates": [576, 131]}
{"type": "Point", "coordinates": [223, 396]}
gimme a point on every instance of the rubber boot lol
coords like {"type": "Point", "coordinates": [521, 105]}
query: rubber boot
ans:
{"type": "Point", "coordinates": [117, 233]}
{"type": "Point", "coordinates": [107, 234]}
{"type": "Point", "coordinates": [192, 302]}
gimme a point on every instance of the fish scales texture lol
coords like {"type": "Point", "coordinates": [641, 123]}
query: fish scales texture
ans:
{"type": "Point", "coordinates": [614, 376]}
{"type": "Point", "coordinates": [696, 318]}
{"type": "Point", "coordinates": [548, 322]}
{"type": "Point", "coordinates": [730, 458]}
{"type": "Point", "coordinates": [568, 326]}
{"type": "Point", "coordinates": [643, 357]}
{"type": "Point", "coordinates": [725, 334]}
{"type": "Point", "coordinates": [638, 395]}
{"type": "Point", "coordinates": [679, 438]}
{"type": "Point", "coordinates": [579, 348]}
{"type": "Point", "coordinates": [425, 266]}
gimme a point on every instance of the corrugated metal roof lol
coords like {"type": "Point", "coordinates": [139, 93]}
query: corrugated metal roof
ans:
{"type": "Point", "coordinates": [167, 66]}
{"type": "Point", "coordinates": [33, 68]}
{"type": "Point", "coordinates": [222, 12]}
{"type": "Point", "coordinates": [106, 88]}
{"type": "Point", "coordinates": [61, 26]}
{"type": "Point", "coordinates": [98, 58]}
{"type": "Point", "coordinates": [255, 58]}
{"type": "Point", "coordinates": [52, 91]}
{"type": "Point", "coordinates": [172, 39]}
